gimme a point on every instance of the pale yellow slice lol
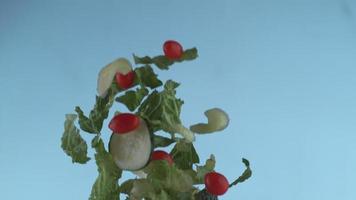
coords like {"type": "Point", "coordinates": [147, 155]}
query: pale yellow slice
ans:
{"type": "Point", "coordinates": [107, 74]}
{"type": "Point", "coordinates": [218, 120]}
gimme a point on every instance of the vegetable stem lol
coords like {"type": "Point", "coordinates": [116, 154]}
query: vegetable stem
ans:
{"type": "Point", "coordinates": [245, 175]}
{"type": "Point", "coordinates": [185, 132]}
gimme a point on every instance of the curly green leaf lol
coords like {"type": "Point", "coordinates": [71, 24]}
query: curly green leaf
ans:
{"type": "Point", "coordinates": [72, 143]}
{"type": "Point", "coordinates": [184, 155]}
{"type": "Point", "coordinates": [145, 76]}
{"type": "Point", "coordinates": [132, 99]}
{"type": "Point", "coordinates": [94, 123]}
{"type": "Point", "coordinates": [245, 175]}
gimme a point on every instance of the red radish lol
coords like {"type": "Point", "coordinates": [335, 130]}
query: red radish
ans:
{"type": "Point", "coordinates": [216, 183]}
{"type": "Point", "coordinates": [125, 81]}
{"type": "Point", "coordinates": [172, 49]}
{"type": "Point", "coordinates": [162, 155]}
{"type": "Point", "coordinates": [124, 123]}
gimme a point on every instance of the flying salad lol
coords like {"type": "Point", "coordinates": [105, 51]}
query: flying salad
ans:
{"type": "Point", "coordinates": [135, 145]}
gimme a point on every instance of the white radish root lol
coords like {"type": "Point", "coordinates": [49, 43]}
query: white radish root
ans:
{"type": "Point", "coordinates": [131, 151]}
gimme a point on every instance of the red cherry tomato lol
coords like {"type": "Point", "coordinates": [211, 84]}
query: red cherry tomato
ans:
{"type": "Point", "coordinates": [216, 184]}
{"type": "Point", "coordinates": [124, 123]}
{"type": "Point", "coordinates": [162, 155]}
{"type": "Point", "coordinates": [172, 49]}
{"type": "Point", "coordinates": [125, 81]}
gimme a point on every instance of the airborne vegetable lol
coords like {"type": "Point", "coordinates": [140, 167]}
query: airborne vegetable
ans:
{"type": "Point", "coordinates": [107, 74]}
{"type": "Point", "coordinates": [131, 151]}
{"type": "Point", "coordinates": [124, 123]}
{"type": "Point", "coordinates": [153, 107]}
{"type": "Point", "coordinates": [162, 155]}
{"type": "Point", "coordinates": [218, 120]}
{"type": "Point", "coordinates": [172, 49]}
{"type": "Point", "coordinates": [125, 81]}
{"type": "Point", "coordinates": [216, 183]}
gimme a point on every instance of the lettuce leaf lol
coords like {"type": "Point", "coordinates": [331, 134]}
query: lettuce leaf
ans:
{"type": "Point", "coordinates": [161, 110]}
{"type": "Point", "coordinates": [127, 186]}
{"type": "Point", "coordinates": [205, 195]}
{"type": "Point", "coordinates": [106, 185]}
{"type": "Point", "coordinates": [168, 177]}
{"type": "Point", "coordinates": [94, 123]}
{"type": "Point", "coordinates": [160, 141]}
{"type": "Point", "coordinates": [142, 188]}
{"type": "Point", "coordinates": [163, 196]}
{"type": "Point", "coordinates": [162, 62]}
{"type": "Point", "coordinates": [132, 99]}
{"type": "Point", "coordinates": [184, 155]}
{"type": "Point", "coordinates": [245, 175]}
{"type": "Point", "coordinates": [72, 143]}
{"type": "Point", "coordinates": [203, 170]}
{"type": "Point", "coordinates": [145, 76]}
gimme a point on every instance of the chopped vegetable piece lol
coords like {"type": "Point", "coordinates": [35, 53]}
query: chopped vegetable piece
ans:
{"type": "Point", "coordinates": [107, 74]}
{"type": "Point", "coordinates": [131, 151]}
{"type": "Point", "coordinates": [124, 123]}
{"type": "Point", "coordinates": [172, 49]}
{"type": "Point", "coordinates": [125, 81]}
{"type": "Point", "coordinates": [216, 183]}
{"type": "Point", "coordinates": [162, 155]}
{"type": "Point", "coordinates": [218, 120]}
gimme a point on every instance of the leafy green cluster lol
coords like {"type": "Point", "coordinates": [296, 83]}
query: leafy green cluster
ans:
{"type": "Point", "coordinates": [161, 109]}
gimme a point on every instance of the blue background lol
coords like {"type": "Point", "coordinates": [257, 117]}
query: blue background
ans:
{"type": "Point", "coordinates": [283, 70]}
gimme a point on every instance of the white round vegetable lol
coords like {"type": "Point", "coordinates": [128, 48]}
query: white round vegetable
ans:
{"type": "Point", "coordinates": [218, 120]}
{"type": "Point", "coordinates": [107, 74]}
{"type": "Point", "coordinates": [132, 150]}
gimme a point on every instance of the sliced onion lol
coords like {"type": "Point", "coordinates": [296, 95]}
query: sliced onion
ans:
{"type": "Point", "coordinates": [107, 74]}
{"type": "Point", "coordinates": [218, 120]}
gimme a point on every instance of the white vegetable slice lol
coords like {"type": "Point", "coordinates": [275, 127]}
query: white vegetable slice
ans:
{"type": "Point", "coordinates": [218, 120]}
{"type": "Point", "coordinates": [107, 74]}
{"type": "Point", "coordinates": [185, 132]}
{"type": "Point", "coordinates": [140, 174]}
{"type": "Point", "coordinates": [132, 150]}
